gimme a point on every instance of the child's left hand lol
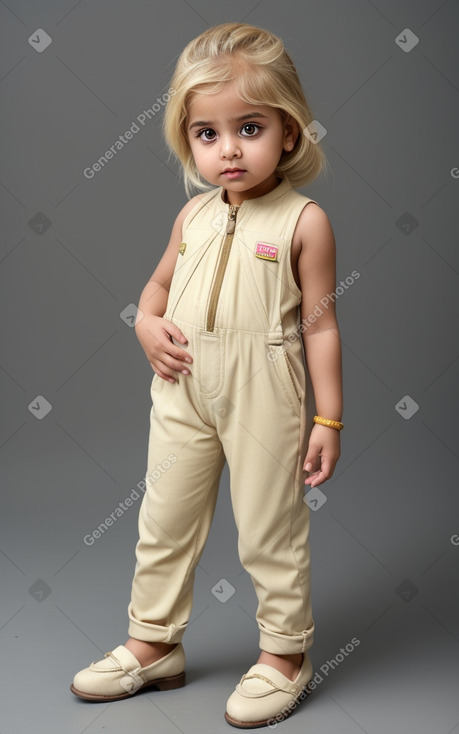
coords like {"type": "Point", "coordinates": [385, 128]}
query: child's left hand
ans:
{"type": "Point", "coordinates": [323, 453]}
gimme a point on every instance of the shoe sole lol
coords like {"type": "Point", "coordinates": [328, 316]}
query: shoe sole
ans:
{"type": "Point", "coordinates": [271, 719]}
{"type": "Point", "coordinates": [162, 684]}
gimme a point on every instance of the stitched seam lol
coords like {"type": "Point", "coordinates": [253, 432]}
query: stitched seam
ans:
{"type": "Point", "coordinates": [206, 198]}
{"type": "Point", "coordinates": [219, 328]}
{"type": "Point", "coordinates": [132, 672]}
{"type": "Point", "coordinates": [198, 531]}
{"type": "Point", "coordinates": [293, 402]}
{"type": "Point", "coordinates": [294, 485]}
{"type": "Point", "coordinates": [221, 365]}
{"type": "Point", "coordinates": [292, 226]}
{"type": "Point", "coordinates": [201, 252]}
{"type": "Point", "coordinates": [252, 282]}
{"type": "Point", "coordinates": [288, 688]}
{"type": "Point", "coordinates": [289, 370]}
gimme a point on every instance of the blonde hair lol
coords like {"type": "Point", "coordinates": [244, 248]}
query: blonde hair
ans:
{"type": "Point", "coordinates": [263, 73]}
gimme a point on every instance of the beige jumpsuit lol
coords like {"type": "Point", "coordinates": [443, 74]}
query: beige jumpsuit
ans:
{"type": "Point", "coordinates": [248, 400]}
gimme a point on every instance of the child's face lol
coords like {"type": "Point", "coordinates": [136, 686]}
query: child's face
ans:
{"type": "Point", "coordinates": [219, 141]}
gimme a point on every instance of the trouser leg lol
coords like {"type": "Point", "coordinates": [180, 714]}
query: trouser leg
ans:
{"type": "Point", "coordinates": [264, 440]}
{"type": "Point", "coordinates": [175, 514]}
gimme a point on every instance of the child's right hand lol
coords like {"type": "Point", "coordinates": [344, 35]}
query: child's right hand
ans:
{"type": "Point", "coordinates": [154, 333]}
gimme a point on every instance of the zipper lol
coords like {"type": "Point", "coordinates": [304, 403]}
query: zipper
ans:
{"type": "Point", "coordinates": [222, 263]}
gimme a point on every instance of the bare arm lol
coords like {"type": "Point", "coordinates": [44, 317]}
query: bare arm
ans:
{"type": "Point", "coordinates": [317, 273]}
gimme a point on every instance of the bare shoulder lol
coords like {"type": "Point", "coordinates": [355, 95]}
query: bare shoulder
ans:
{"type": "Point", "coordinates": [313, 224]}
{"type": "Point", "coordinates": [313, 239]}
{"type": "Point", "coordinates": [313, 236]}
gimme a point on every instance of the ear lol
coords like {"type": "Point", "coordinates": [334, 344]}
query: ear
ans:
{"type": "Point", "coordinates": [291, 132]}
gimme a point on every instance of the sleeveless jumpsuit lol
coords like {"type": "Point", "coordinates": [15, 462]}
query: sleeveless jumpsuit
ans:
{"type": "Point", "coordinates": [249, 401]}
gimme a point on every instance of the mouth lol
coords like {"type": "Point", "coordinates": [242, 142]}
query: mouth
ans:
{"type": "Point", "coordinates": [234, 170]}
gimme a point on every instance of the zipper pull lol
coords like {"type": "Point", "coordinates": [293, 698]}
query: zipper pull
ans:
{"type": "Point", "coordinates": [231, 223]}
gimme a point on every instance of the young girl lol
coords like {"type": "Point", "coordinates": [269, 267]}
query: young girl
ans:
{"type": "Point", "coordinates": [223, 321]}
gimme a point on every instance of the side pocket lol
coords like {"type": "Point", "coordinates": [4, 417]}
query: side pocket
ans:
{"type": "Point", "coordinates": [282, 366]}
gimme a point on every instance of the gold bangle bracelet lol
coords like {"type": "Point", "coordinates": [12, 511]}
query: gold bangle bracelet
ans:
{"type": "Point", "coordinates": [328, 422]}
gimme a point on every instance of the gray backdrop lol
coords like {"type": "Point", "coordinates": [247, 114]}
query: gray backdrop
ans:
{"type": "Point", "coordinates": [381, 77]}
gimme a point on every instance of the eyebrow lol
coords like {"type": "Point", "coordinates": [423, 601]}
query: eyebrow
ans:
{"type": "Point", "coordinates": [209, 123]}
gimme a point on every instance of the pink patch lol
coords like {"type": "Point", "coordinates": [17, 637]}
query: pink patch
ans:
{"type": "Point", "coordinates": [265, 251]}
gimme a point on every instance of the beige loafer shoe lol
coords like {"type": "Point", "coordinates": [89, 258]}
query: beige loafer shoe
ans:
{"type": "Point", "coordinates": [264, 696]}
{"type": "Point", "coordinates": [120, 675]}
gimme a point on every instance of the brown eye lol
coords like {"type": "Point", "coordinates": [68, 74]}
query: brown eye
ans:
{"type": "Point", "coordinates": [252, 129]}
{"type": "Point", "coordinates": [204, 132]}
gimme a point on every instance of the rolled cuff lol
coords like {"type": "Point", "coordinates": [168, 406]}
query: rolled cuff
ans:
{"type": "Point", "coordinates": [171, 633]}
{"type": "Point", "coordinates": [278, 644]}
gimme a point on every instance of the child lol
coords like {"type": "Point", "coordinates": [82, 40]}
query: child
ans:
{"type": "Point", "coordinates": [223, 321]}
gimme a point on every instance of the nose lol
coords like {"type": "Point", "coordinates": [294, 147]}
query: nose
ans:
{"type": "Point", "coordinates": [229, 147]}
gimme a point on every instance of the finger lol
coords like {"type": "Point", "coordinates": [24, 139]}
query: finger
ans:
{"type": "Point", "coordinates": [312, 476]}
{"type": "Point", "coordinates": [315, 479]}
{"type": "Point", "coordinates": [175, 332]}
{"type": "Point", "coordinates": [163, 376]}
{"type": "Point", "coordinates": [326, 467]}
{"type": "Point", "coordinates": [319, 477]}
{"type": "Point", "coordinates": [174, 364]}
{"type": "Point", "coordinates": [312, 460]}
{"type": "Point", "coordinates": [162, 373]}
{"type": "Point", "coordinates": [178, 353]}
